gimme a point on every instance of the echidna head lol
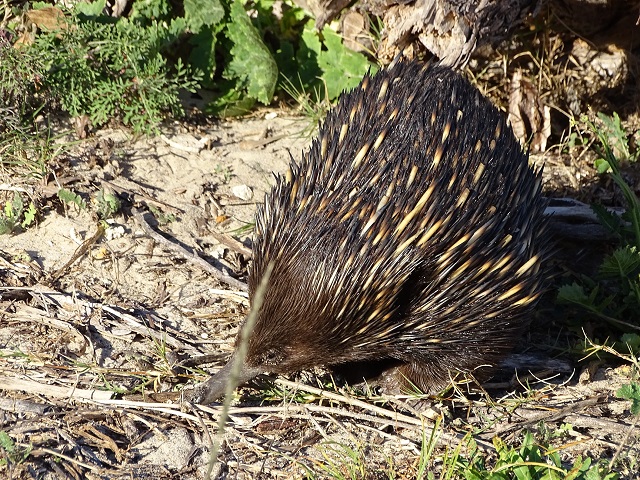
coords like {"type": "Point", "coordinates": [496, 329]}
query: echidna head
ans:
{"type": "Point", "coordinates": [292, 331]}
{"type": "Point", "coordinates": [295, 324]}
{"type": "Point", "coordinates": [316, 311]}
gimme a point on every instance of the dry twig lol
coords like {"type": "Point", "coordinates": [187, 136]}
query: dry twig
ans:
{"type": "Point", "coordinates": [80, 251]}
{"type": "Point", "coordinates": [191, 257]}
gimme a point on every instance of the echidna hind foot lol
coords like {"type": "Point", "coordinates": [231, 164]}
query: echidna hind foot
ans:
{"type": "Point", "coordinates": [399, 378]}
{"type": "Point", "coordinates": [418, 378]}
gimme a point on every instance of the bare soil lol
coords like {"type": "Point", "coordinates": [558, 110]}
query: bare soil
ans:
{"type": "Point", "coordinates": [91, 329]}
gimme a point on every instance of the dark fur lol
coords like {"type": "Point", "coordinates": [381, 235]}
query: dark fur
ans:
{"type": "Point", "coordinates": [437, 320]}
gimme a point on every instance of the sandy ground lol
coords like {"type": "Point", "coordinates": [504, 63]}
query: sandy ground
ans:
{"type": "Point", "coordinates": [90, 329]}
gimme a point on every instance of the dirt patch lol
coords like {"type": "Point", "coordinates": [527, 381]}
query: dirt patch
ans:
{"type": "Point", "coordinates": [91, 331]}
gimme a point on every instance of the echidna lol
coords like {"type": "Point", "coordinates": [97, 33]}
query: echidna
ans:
{"type": "Point", "coordinates": [412, 231]}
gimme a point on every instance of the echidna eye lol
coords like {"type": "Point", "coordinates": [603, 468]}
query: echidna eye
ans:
{"type": "Point", "coordinates": [271, 357]}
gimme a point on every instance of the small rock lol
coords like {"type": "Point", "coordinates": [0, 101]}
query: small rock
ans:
{"type": "Point", "coordinates": [243, 192]}
{"type": "Point", "coordinates": [114, 231]}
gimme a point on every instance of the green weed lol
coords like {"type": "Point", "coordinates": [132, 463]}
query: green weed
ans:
{"type": "Point", "coordinates": [531, 461]}
{"type": "Point", "coordinates": [15, 215]}
{"type": "Point", "coordinates": [614, 294]}
{"type": "Point", "coordinates": [12, 453]}
{"type": "Point", "coordinates": [114, 70]}
{"type": "Point", "coordinates": [68, 198]}
{"type": "Point", "coordinates": [26, 153]}
{"type": "Point", "coordinates": [617, 141]}
{"type": "Point", "coordinates": [106, 204]}
{"type": "Point", "coordinates": [127, 69]}
{"type": "Point", "coordinates": [25, 156]}
{"type": "Point", "coordinates": [427, 450]}
{"type": "Point", "coordinates": [342, 462]}
{"type": "Point", "coordinates": [314, 103]}
{"type": "Point", "coordinates": [631, 392]}
{"type": "Point", "coordinates": [225, 172]}
{"type": "Point", "coordinates": [20, 82]}
{"type": "Point", "coordinates": [161, 217]}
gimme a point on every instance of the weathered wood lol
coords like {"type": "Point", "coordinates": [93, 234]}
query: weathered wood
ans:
{"type": "Point", "coordinates": [449, 29]}
{"type": "Point", "coordinates": [572, 220]}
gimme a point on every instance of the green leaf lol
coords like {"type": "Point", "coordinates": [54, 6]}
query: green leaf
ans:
{"type": "Point", "coordinates": [607, 218]}
{"type": "Point", "coordinates": [17, 206]}
{"type": "Point", "coordinates": [203, 54]}
{"type": "Point", "coordinates": [67, 196]}
{"type": "Point", "coordinates": [14, 453]}
{"type": "Point", "coordinates": [630, 340]}
{"type": "Point", "coordinates": [93, 9]}
{"type": "Point", "coordinates": [343, 68]}
{"type": "Point", "coordinates": [107, 204]}
{"type": "Point", "coordinates": [617, 135]}
{"type": "Point", "coordinates": [623, 262]}
{"type": "Point", "coordinates": [29, 215]}
{"type": "Point", "coordinates": [573, 293]}
{"type": "Point", "coordinates": [308, 53]}
{"type": "Point", "coordinates": [631, 392]}
{"type": "Point", "coordinates": [201, 13]}
{"type": "Point", "coordinates": [6, 443]}
{"type": "Point", "coordinates": [252, 62]}
{"type": "Point", "coordinates": [602, 166]}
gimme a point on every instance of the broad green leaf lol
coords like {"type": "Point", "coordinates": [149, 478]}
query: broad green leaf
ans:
{"type": "Point", "coordinates": [200, 13]}
{"type": "Point", "coordinates": [623, 262]}
{"type": "Point", "coordinates": [631, 392]}
{"type": "Point", "coordinates": [631, 340]}
{"type": "Point", "coordinates": [343, 68]}
{"type": "Point", "coordinates": [252, 62]}
{"type": "Point", "coordinates": [29, 216]}
{"type": "Point", "coordinates": [573, 293]}
{"type": "Point", "coordinates": [203, 55]}
{"type": "Point", "coordinates": [92, 9]}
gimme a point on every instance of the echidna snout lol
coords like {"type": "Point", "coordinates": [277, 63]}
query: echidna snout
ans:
{"type": "Point", "coordinates": [412, 232]}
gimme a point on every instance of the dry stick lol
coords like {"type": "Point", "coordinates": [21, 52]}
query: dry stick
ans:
{"type": "Point", "coordinates": [38, 388]}
{"type": "Point", "coordinates": [300, 410]}
{"type": "Point", "coordinates": [22, 406]}
{"type": "Point", "coordinates": [39, 451]}
{"type": "Point", "coordinates": [319, 428]}
{"type": "Point", "coordinates": [202, 143]}
{"type": "Point", "coordinates": [131, 321]}
{"type": "Point", "coordinates": [603, 425]}
{"type": "Point", "coordinates": [27, 313]}
{"type": "Point", "coordinates": [144, 196]}
{"type": "Point", "coordinates": [292, 411]}
{"type": "Point", "coordinates": [232, 243]}
{"type": "Point", "coordinates": [191, 257]}
{"type": "Point", "coordinates": [623, 442]}
{"type": "Point", "coordinates": [251, 144]}
{"type": "Point", "coordinates": [394, 416]}
{"type": "Point", "coordinates": [133, 324]}
{"type": "Point", "coordinates": [80, 251]}
{"type": "Point", "coordinates": [350, 401]}
{"type": "Point", "coordinates": [547, 417]}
